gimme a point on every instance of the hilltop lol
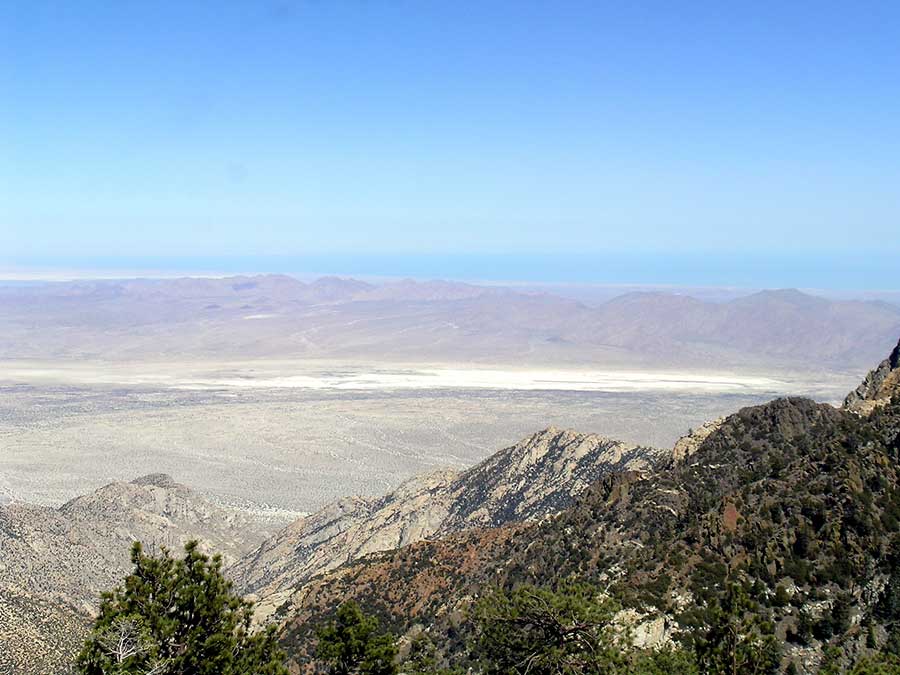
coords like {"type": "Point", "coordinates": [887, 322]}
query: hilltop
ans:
{"type": "Point", "coordinates": [55, 562]}
{"type": "Point", "coordinates": [525, 482]}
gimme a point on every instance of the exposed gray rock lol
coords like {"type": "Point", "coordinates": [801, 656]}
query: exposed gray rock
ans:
{"type": "Point", "coordinates": [538, 476]}
{"type": "Point", "coordinates": [72, 553]}
{"type": "Point", "coordinates": [687, 445]}
{"type": "Point", "coordinates": [879, 386]}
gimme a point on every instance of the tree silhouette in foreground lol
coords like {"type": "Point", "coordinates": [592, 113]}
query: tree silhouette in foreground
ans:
{"type": "Point", "coordinates": [177, 616]}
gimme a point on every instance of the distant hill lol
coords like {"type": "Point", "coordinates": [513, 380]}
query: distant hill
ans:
{"type": "Point", "coordinates": [784, 325]}
{"type": "Point", "coordinates": [54, 563]}
{"type": "Point", "coordinates": [280, 317]}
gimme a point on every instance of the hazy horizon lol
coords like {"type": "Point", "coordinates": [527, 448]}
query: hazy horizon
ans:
{"type": "Point", "coordinates": [580, 143]}
{"type": "Point", "coordinates": [869, 276]}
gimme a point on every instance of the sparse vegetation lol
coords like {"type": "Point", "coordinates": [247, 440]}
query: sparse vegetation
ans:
{"type": "Point", "coordinates": [177, 617]}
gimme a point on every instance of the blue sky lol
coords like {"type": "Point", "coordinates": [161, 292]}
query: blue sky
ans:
{"type": "Point", "coordinates": [175, 134]}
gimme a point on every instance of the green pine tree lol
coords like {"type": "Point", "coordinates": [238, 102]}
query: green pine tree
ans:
{"type": "Point", "coordinates": [662, 661]}
{"type": "Point", "coordinates": [352, 644]}
{"type": "Point", "coordinates": [539, 631]}
{"type": "Point", "coordinates": [177, 616]}
{"type": "Point", "coordinates": [569, 631]}
{"type": "Point", "coordinates": [737, 641]}
{"type": "Point", "coordinates": [879, 664]}
{"type": "Point", "coordinates": [422, 659]}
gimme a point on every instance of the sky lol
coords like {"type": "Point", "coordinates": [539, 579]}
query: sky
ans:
{"type": "Point", "coordinates": [737, 143]}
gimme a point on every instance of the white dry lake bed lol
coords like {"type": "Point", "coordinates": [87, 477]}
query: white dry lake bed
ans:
{"type": "Point", "coordinates": [284, 437]}
{"type": "Point", "coordinates": [367, 377]}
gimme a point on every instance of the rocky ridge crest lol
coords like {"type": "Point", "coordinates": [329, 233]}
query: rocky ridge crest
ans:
{"type": "Point", "coordinates": [882, 383]}
{"type": "Point", "coordinates": [536, 477]}
{"type": "Point", "coordinates": [797, 500]}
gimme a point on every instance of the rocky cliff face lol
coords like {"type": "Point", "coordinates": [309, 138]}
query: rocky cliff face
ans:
{"type": "Point", "coordinates": [531, 479]}
{"type": "Point", "coordinates": [688, 444]}
{"type": "Point", "coordinates": [54, 563]}
{"type": "Point", "coordinates": [880, 385]}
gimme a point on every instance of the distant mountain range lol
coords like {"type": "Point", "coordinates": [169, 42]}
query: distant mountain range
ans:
{"type": "Point", "coordinates": [281, 317]}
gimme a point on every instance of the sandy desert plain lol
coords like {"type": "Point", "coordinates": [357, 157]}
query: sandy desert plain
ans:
{"type": "Point", "coordinates": [280, 438]}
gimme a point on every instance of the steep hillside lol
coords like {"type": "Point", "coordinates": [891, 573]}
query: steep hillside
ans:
{"type": "Point", "coordinates": [54, 563]}
{"type": "Point", "coordinates": [880, 385]}
{"type": "Point", "coordinates": [538, 476]}
{"type": "Point", "coordinates": [37, 636]}
{"type": "Point", "coordinates": [800, 501]}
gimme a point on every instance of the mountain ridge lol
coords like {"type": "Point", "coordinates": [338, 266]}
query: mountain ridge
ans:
{"type": "Point", "coordinates": [880, 385]}
{"type": "Point", "coordinates": [274, 316]}
{"type": "Point", "coordinates": [525, 481]}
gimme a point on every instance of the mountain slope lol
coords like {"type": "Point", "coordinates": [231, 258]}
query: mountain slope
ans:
{"type": "Point", "coordinates": [880, 385]}
{"type": "Point", "coordinates": [37, 636]}
{"type": "Point", "coordinates": [791, 494]}
{"type": "Point", "coordinates": [538, 476]}
{"type": "Point", "coordinates": [781, 326]}
{"type": "Point", "coordinates": [54, 563]}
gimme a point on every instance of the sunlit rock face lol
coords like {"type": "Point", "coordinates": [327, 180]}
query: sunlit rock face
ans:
{"type": "Point", "coordinates": [533, 478]}
{"type": "Point", "coordinates": [880, 385]}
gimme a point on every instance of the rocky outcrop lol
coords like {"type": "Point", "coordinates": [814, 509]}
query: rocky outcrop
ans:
{"type": "Point", "coordinates": [342, 531]}
{"type": "Point", "coordinates": [688, 444]}
{"type": "Point", "coordinates": [880, 385]}
{"type": "Point", "coordinates": [54, 563]}
{"type": "Point", "coordinates": [538, 476]}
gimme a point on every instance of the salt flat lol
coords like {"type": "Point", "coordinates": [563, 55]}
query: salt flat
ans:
{"type": "Point", "coordinates": [268, 374]}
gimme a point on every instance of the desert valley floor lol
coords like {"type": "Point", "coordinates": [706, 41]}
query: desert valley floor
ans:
{"type": "Point", "coordinates": [280, 439]}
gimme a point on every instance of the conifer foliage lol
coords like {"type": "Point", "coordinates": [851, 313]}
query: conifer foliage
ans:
{"type": "Point", "coordinates": [536, 630]}
{"type": "Point", "coordinates": [569, 630]}
{"type": "Point", "coordinates": [177, 616]}
{"type": "Point", "coordinates": [737, 641]}
{"type": "Point", "coordinates": [352, 644]}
